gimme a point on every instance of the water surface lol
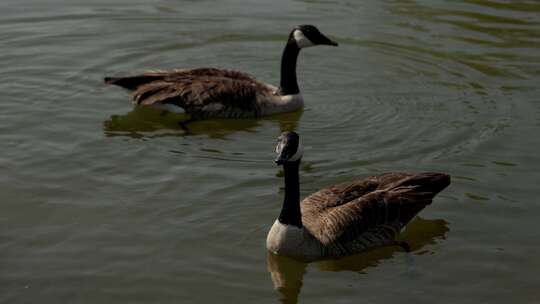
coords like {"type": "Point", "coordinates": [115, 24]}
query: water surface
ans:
{"type": "Point", "coordinates": [104, 202]}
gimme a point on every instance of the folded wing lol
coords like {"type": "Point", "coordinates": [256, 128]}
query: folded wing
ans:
{"type": "Point", "coordinates": [203, 92]}
{"type": "Point", "coordinates": [385, 203]}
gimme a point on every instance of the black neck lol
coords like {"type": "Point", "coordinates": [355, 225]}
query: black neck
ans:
{"type": "Point", "coordinates": [288, 84]}
{"type": "Point", "coordinates": [290, 212]}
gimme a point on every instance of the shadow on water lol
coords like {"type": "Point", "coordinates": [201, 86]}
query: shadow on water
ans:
{"type": "Point", "coordinates": [147, 122]}
{"type": "Point", "coordinates": [288, 274]}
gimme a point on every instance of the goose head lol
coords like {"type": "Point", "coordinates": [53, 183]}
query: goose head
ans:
{"type": "Point", "coordinates": [308, 35]}
{"type": "Point", "coordinates": [288, 148]}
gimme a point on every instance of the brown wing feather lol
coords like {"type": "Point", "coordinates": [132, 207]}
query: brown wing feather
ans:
{"type": "Point", "coordinates": [342, 213]}
{"type": "Point", "coordinates": [195, 89]}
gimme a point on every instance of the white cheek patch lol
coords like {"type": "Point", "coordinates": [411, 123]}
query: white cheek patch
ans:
{"type": "Point", "coordinates": [279, 147]}
{"type": "Point", "coordinates": [299, 153]}
{"type": "Point", "coordinates": [302, 40]}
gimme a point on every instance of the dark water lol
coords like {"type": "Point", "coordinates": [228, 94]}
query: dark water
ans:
{"type": "Point", "coordinates": [101, 202]}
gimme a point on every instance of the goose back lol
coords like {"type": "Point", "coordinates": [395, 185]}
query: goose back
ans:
{"type": "Point", "coordinates": [202, 92]}
{"type": "Point", "coordinates": [351, 217]}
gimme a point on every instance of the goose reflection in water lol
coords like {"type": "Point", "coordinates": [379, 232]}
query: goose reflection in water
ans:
{"type": "Point", "coordinates": [149, 122]}
{"type": "Point", "coordinates": [287, 274]}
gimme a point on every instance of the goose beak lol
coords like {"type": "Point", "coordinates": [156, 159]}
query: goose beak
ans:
{"type": "Point", "coordinates": [327, 41]}
{"type": "Point", "coordinates": [332, 43]}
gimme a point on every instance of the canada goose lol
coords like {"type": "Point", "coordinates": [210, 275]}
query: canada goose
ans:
{"type": "Point", "coordinates": [288, 274]}
{"type": "Point", "coordinates": [210, 92]}
{"type": "Point", "coordinates": [347, 218]}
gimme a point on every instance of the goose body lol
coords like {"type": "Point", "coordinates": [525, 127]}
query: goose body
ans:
{"type": "Point", "coordinates": [211, 92]}
{"type": "Point", "coordinates": [347, 218]}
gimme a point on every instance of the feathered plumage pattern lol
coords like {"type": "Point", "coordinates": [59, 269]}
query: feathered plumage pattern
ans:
{"type": "Point", "coordinates": [202, 92]}
{"type": "Point", "coordinates": [372, 210]}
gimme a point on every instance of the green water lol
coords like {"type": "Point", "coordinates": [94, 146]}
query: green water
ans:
{"type": "Point", "coordinates": [101, 202]}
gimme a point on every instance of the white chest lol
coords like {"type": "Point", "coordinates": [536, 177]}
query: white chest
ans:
{"type": "Point", "coordinates": [274, 103]}
{"type": "Point", "coordinates": [292, 241]}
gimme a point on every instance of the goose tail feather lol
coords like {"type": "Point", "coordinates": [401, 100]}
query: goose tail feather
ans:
{"type": "Point", "coordinates": [131, 82]}
{"type": "Point", "coordinates": [124, 82]}
{"type": "Point", "coordinates": [428, 183]}
{"type": "Point", "coordinates": [415, 193]}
